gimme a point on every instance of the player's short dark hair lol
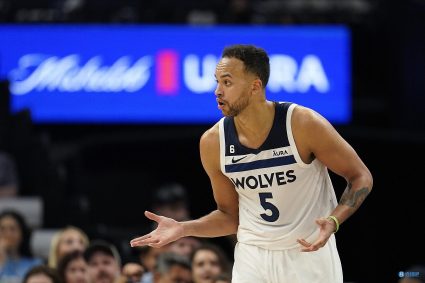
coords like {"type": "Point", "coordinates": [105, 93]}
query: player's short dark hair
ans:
{"type": "Point", "coordinates": [255, 59]}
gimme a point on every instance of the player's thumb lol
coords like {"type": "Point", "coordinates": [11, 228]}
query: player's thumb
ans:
{"type": "Point", "coordinates": [321, 221]}
{"type": "Point", "coordinates": [152, 216]}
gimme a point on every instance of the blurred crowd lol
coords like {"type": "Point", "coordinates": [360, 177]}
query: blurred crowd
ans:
{"type": "Point", "coordinates": [187, 11]}
{"type": "Point", "coordinates": [72, 256]}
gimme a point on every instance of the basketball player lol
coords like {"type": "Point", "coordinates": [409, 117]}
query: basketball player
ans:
{"type": "Point", "coordinates": [268, 165]}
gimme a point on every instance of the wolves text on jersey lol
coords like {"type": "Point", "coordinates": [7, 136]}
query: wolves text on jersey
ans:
{"type": "Point", "coordinates": [265, 180]}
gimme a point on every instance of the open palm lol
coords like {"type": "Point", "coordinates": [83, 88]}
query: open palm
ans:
{"type": "Point", "coordinates": [167, 231]}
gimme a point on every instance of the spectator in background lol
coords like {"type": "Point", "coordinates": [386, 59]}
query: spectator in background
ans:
{"type": "Point", "coordinates": [15, 255]}
{"type": "Point", "coordinates": [41, 274]}
{"type": "Point", "coordinates": [104, 262]}
{"type": "Point", "coordinates": [222, 278]}
{"type": "Point", "coordinates": [170, 200]}
{"type": "Point", "coordinates": [172, 268]}
{"type": "Point", "coordinates": [148, 257]}
{"type": "Point", "coordinates": [238, 12]}
{"type": "Point", "coordinates": [8, 176]}
{"type": "Point", "coordinates": [68, 239]}
{"type": "Point", "coordinates": [73, 268]}
{"type": "Point", "coordinates": [132, 272]}
{"type": "Point", "coordinates": [184, 246]}
{"type": "Point", "coordinates": [208, 261]}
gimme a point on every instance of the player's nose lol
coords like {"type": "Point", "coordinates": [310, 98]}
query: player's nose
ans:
{"type": "Point", "coordinates": [218, 91]}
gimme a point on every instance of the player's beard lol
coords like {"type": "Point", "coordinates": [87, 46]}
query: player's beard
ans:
{"type": "Point", "coordinates": [238, 106]}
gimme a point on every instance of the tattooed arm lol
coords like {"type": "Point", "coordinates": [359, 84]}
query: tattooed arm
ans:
{"type": "Point", "coordinates": [351, 200]}
{"type": "Point", "coordinates": [315, 137]}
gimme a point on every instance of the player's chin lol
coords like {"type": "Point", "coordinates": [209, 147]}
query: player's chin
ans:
{"type": "Point", "coordinates": [228, 113]}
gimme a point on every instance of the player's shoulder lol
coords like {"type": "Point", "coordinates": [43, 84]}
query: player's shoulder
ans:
{"type": "Point", "coordinates": [309, 126]}
{"type": "Point", "coordinates": [303, 116]}
{"type": "Point", "coordinates": [211, 136]}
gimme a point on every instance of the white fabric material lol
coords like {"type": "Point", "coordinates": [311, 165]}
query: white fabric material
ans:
{"type": "Point", "coordinates": [300, 192]}
{"type": "Point", "coordinates": [254, 264]}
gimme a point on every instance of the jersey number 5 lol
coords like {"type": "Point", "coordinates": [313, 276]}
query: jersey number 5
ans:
{"type": "Point", "coordinates": [268, 206]}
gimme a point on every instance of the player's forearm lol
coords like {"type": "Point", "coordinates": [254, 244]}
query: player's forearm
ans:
{"type": "Point", "coordinates": [355, 193]}
{"type": "Point", "coordinates": [215, 224]}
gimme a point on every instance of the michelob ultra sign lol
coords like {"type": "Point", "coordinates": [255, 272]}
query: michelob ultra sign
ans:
{"type": "Point", "coordinates": [164, 74]}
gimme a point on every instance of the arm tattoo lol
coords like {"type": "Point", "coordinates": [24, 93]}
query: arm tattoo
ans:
{"type": "Point", "coordinates": [354, 198]}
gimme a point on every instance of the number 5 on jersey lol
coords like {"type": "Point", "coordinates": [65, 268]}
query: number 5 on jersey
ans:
{"type": "Point", "coordinates": [268, 206]}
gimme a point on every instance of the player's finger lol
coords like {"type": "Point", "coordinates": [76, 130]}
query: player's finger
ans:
{"type": "Point", "coordinates": [311, 248]}
{"type": "Point", "coordinates": [152, 216]}
{"type": "Point", "coordinates": [303, 242]}
{"type": "Point", "coordinates": [145, 242]}
{"type": "Point", "coordinates": [139, 239]}
{"type": "Point", "coordinates": [315, 246]}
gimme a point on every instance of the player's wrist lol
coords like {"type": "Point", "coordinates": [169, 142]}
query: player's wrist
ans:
{"type": "Point", "coordinates": [335, 221]}
{"type": "Point", "coordinates": [185, 230]}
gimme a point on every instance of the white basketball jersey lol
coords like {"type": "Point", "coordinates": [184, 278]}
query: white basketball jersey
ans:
{"type": "Point", "coordinates": [280, 196]}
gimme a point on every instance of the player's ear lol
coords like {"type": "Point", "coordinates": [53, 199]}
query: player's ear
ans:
{"type": "Point", "coordinates": [257, 85]}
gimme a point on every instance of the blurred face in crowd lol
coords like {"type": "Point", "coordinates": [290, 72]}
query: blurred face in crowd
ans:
{"type": "Point", "coordinates": [10, 233]}
{"type": "Point", "coordinates": [133, 272]}
{"type": "Point", "coordinates": [178, 210]}
{"type": "Point", "coordinates": [184, 246]}
{"type": "Point", "coordinates": [39, 278]}
{"type": "Point", "coordinates": [149, 258]}
{"type": "Point", "coordinates": [71, 240]}
{"type": "Point", "coordinates": [77, 271]}
{"type": "Point", "coordinates": [176, 274]}
{"type": "Point", "coordinates": [103, 268]}
{"type": "Point", "coordinates": [205, 266]}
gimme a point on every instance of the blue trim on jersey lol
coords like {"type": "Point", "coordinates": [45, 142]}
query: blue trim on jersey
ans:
{"type": "Point", "coordinates": [275, 139]}
{"type": "Point", "coordinates": [265, 163]}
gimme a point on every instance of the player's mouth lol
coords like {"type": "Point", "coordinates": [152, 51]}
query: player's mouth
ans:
{"type": "Point", "coordinates": [220, 104]}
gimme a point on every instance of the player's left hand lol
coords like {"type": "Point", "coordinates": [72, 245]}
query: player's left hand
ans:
{"type": "Point", "coordinates": [327, 228]}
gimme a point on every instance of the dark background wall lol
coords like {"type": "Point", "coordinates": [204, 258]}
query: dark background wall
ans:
{"type": "Point", "coordinates": [100, 177]}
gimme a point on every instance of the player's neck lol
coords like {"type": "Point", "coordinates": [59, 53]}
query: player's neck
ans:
{"type": "Point", "coordinates": [254, 123]}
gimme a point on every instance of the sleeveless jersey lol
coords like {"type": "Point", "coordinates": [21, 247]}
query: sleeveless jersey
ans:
{"type": "Point", "coordinates": [280, 196]}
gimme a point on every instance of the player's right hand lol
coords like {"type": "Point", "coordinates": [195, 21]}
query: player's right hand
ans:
{"type": "Point", "coordinates": [167, 231]}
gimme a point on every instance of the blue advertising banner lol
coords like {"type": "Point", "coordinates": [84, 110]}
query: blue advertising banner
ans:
{"type": "Point", "coordinates": [165, 74]}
